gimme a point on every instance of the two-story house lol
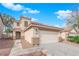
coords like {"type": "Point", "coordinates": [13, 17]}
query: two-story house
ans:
{"type": "Point", "coordinates": [35, 33]}
{"type": "Point", "coordinates": [19, 27]}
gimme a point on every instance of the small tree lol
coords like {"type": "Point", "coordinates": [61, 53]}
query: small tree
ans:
{"type": "Point", "coordinates": [8, 31]}
{"type": "Point", "coordinates": [73, 21]}
{"type": "Point", "coordinates": [7, 20]}
{"type": "Point", "coordinates": [74, 27]}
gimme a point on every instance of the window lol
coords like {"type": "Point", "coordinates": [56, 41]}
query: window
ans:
{"type": "Point", "coordinates": [25, 23]}
{"type": "Point", "coordinates": [17, 24]}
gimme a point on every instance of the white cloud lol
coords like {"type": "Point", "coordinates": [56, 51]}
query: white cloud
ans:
{"type": "Point", "coordinates": [63, 14]}
{"type": "Point", "coordinates": [29, 10]}
{"type": "Point", "coordinates": [33, 11]}
{"type": "Point", "coordinates": [18, 7]}
{"type": "Point", "coordinates": [34, 19]}
{"type": "Point", "coordinates": [15, 7]}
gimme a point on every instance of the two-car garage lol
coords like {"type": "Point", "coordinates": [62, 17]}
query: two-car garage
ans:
{"type": "Point", "coordinates": [42, 34]}
{"type": "Point", "coordinates": [48, 37]}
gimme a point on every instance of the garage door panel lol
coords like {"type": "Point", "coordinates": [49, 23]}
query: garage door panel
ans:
{"type": "Point", "coordinates": [48, 37]}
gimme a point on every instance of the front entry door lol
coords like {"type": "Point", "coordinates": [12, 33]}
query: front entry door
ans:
{"type": "Point", "coordinates": [18, 35]}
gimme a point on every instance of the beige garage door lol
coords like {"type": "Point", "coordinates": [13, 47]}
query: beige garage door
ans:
{"type": "Point", "coordinates": [48, 37]}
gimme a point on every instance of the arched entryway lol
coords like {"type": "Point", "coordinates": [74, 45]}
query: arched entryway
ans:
{"type": "Point", "coordinates": [18, 35]}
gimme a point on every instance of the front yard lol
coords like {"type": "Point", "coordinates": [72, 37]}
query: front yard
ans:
{"type": "Point", "coordinates": [8, 47]}
{"type": "Point", "coordinates": [5, 47]}
{"type": "Point", "coordinates": [18, 48]}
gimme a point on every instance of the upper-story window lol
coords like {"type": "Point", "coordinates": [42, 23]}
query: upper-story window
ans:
{"type": "Point", "coordinates": [17, 24]}
{"type": "Point", "coordinates": [25, 23]}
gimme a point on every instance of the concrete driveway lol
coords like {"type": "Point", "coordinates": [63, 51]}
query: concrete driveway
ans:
{"type": "Point", "coordinates": [61, 49]}
{"type": "Point", "coordinates": [54, 49]}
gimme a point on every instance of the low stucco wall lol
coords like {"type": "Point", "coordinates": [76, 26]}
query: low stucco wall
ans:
{"type": "Point", "coordinates": [28, 35]}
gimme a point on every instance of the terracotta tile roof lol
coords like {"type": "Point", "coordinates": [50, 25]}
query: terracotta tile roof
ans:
{"type": "Point", "coordinates": [39, 25]}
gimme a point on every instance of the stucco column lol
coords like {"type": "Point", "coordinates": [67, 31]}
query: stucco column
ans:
{"type": "Point", "coordinates": [22, 34]}
{"type": "Point", "coordinates": [35, 39]}
{"type": "Point", "coordinates": [14, 35]}
{"type": "Point", "coordinates": [63, 36]}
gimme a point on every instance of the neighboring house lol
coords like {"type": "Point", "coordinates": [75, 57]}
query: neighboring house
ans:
{"type": "Point", "coordinates": [35, 33]}
{"type": "Point", "coordinates": [67, 32]}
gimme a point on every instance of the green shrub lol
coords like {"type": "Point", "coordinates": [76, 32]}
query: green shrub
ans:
{"type": "Point", "coordinates": [76, 39]}
{"type": "Point", "coordinates": [73, 39]}
{"type": "Point", "coordinates": [70, 36]}
{"type": "Point", "coordinates": [8, 30]}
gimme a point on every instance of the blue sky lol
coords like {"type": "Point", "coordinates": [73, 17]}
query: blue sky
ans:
{"type": "Point", "coordinates": [46, 13]}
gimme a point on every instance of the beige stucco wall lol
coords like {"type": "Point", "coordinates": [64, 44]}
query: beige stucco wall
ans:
{"type": "Point", "coordinates": [64, 35]}
{"type": "Point", "coordinates": [21, 23]}
{"type": "Point", "coordinates": [21, 27]}
{"type": "Point", "coordinates": [43, 36]}
{"type": "Point", "coordinates": [29, 35]}
{"type": "Point", "coordinates": [48, 36]}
